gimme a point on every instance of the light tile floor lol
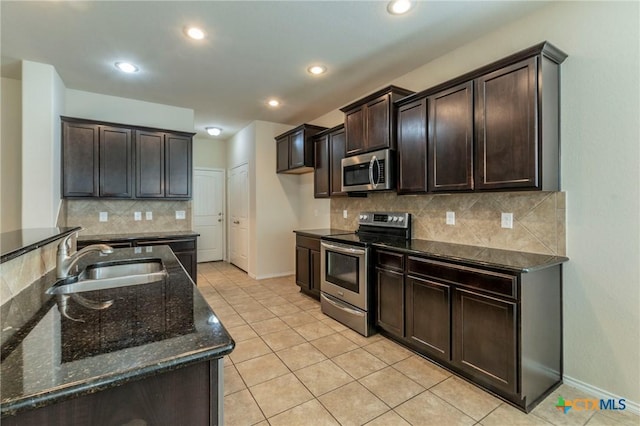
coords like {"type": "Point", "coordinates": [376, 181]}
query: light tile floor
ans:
{"type": "Point", "coordinates": [293, 365]}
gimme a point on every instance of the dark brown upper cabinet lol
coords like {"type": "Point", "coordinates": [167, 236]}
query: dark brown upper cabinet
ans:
{"type": "Point", "coordinates": [295, 150]}
{"type": "Point", "coordinates": [329, 152]}
{"type": "Point", "coordinates": [107, 160]}
{"type": "Point", "coordinates": [96, 160]}
{"type": "Point", "coordinates": [508, 146]}
{"type": "Point", "coordinates": [451, 139]}
{"type": "Point", "coordinates": [370, 122]}
{"type": "Point", "coordinates": [412, 147]}
{"type": "Point", "coordinates": [492, 129]}
{"type": "Point", "coordinates": [163, 165]}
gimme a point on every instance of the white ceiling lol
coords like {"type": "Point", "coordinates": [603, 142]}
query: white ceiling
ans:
{"type": "Point", "coordinates": [254, 50]}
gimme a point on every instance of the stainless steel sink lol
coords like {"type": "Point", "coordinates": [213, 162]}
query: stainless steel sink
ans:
{"type": "Point", "coordinates": [113, 275]}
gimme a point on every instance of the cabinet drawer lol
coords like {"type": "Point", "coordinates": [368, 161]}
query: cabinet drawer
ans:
{"type": "Point", "coordinates": [390, 260]}
{"type": "Point", "coordinates": [492, 282]}
{"type": "Point", "coordinates": [176, 245]}
{"type": "Point", "coordinates": [308, 242]}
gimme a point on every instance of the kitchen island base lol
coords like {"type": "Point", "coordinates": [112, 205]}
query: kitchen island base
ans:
{"type": "Point", "coordinates": [191, 395]}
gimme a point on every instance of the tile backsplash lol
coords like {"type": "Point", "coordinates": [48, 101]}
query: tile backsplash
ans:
{"type": "Point", "coordinates": [120, 213]}
{"type": "Point", "coordinates": [538, 218]}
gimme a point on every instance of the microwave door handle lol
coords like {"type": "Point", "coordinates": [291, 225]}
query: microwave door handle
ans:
{"type": "Point", "coordinates": [372, 163]}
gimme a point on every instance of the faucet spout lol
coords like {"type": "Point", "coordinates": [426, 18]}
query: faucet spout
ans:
{"type": "Point", "coordinates": [65, 261]}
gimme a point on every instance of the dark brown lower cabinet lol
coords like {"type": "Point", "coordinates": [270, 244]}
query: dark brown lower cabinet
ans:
{"type": "Point", "coordinates": [308, 265]}
{"type": "Point", "coordinates": [428, 316]}
{"type": "Point", "coordinates": [390, 306]}
{"type": "Point", "coordinates": [484, 338]}
{"type": "Point", "coordinates": [185, 396]}
{"type": "Point", "coordinates": [500, 329]}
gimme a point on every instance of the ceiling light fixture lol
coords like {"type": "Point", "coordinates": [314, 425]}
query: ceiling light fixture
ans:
{"type": "Point", "coordinates": [317, 69]}
{"type": "Point", "coordinates": [194, 33]}
{"type": "Point", "coordinates": [399, 7]}
{"type": "Point", "coordinates": [126, 67]}
{"type": "Point", "coordinates": [214, 131]}
{"type": "Point", "coordinates": [273, 102]}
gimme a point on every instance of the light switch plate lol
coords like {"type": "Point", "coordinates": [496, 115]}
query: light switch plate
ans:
{"type": "Point", "coordinates": [104, 217]}
{"type": "Point", "coordinates": [506, 220]}
{"type": "Point", "coordinates": [345, 214]}
{"type": "Point", "coordinates": [137, 215]}
{"type": "Point", "coordinates": [451, 218]}
{"type": "Point", "coordinates": [181, 215]}
{"type": "Point", "coordinates": [148, 215]}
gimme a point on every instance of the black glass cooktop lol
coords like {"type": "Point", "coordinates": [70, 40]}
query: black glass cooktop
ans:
{"type": "Point", "coordinates": [362, 239]}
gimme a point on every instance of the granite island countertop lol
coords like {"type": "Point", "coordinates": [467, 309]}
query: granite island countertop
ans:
{"type": "Point", "coordinates": [149, 329]}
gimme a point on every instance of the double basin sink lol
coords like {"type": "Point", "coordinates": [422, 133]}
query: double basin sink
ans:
{"type": "Point", "coordinates": [108, 275]}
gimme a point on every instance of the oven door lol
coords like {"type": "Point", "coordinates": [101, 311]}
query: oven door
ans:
{"type": "Point", "coordinates": [344, 273]}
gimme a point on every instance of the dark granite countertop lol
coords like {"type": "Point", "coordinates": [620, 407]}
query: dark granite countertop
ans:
{"type": "Point", "coordinates": [321, 232]}
{"type": "Point", "coordinates": [149, 329]}
{"type": "Point", "coordinates": [137, 236]}
{"type": "Point", "coordinates": [514, 261]}
{"type": "Point", "coordinates": [17, 243]}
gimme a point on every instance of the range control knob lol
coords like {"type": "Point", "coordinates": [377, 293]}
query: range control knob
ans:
{"type": "Point", "coordinates": [395, 218]}
{"type": "Point", "coordinates": [361, 217]}
{"type": "Point", "coordinates": [401, 219]}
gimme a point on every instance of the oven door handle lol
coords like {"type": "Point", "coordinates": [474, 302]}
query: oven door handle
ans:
{"type": "Point", "coordinates": [340, 249]}
{"type": "Point", "coordinates": [341, 306]}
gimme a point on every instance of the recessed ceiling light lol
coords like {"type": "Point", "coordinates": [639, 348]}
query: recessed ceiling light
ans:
{"type": "Point", "coordinates": [317, 69]}
{"type": "Point", "coordinates": [126, 67]}
{"type": "Point", "coordinates": [214, 131]}
{"type": "Point", "coordinates": [194, 33]}
{"type": "Point", "coordinates": [398, 7]}
{"type": "Point", "coordinates": [273, 102]}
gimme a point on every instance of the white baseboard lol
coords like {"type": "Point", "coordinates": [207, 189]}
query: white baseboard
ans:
{"type": "Point", "coordinates": [276, 275]}
{"type": "Point", "coordinates": [632, 406]}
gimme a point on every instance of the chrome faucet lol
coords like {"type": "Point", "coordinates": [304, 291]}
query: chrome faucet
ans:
{"type": "Point", "coordinates": [65, 261]}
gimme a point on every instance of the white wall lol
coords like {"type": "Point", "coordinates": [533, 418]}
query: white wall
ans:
{"type": "Point", "coordinates": [211, 153]}
{"type": "Point", "coordinates": [42, 103]}
{"type": "Point", "coordinates": [277, 206]}
{"type": "Point", "coordinates": [600, 161]}
{"type": "Point", "coordinates": [11, 156]}
{"type": "Point", "coordinates": [314, 213]}
{"type": "Point", "coordinates": [114, 109]}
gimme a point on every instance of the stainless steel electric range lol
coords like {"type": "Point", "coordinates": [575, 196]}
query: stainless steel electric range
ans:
{"type": "Point", "coordinates": [346, 268]}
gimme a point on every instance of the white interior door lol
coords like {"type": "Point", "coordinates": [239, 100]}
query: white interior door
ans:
{"type": "Point", "coordinates": [208, 213]}
{"type": "Point", "coordinates": [239, 216]}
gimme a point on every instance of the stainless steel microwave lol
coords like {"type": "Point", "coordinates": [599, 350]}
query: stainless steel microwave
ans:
{"type": "Point", "coordinates": [372, 171]}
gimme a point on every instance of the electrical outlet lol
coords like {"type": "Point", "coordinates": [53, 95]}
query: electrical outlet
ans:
{"type": "Point", "coordinates": [148, 215]}
{"type": "Point", "coordinates": [104, 217]}
{"type": "Point", "coordinates": [181, 215]}
{"type": "Point", "coordinates": [451, 218]}
{"type": "Point", "coordinates": [506, 220]}
{"type": "Point", "coordinates": [137, 215]}
{"type": "Point", "coordinates": [345, 214]}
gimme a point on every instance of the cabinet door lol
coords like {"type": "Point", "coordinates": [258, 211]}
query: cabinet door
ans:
{"type": "Point", "coordinates": [282, 160]}
{"type": "Point", "coordinates": [428, 316]}
{"type": "Point", "coordinates": [354, 122]}
{"type": "Point", "coordinates": [149, 164]}
{"type": "Point", "coordinates": [116, 175]}
{"type": "Point", "coordinates": [80, 160]}
{"type": "Point", "coordinates": [377, 123]}
{"type": "Point", "coordinates": [506, 128]}
{"type": "Point", "coordinates": [188, 261]}
{"type": "Point", "coordinates": [451, 139]}
{"type": "Point", "coordinates": [178, 172]}
{"type": "Point", "coordinates": [484, 339]}
{"type": "Point", "coordinates": [321, 167]}
{"type": "Point", "coordinates": [412, 147]}
{"type": "Point", "coordinates": [337, 152]}
{"type": "Point", "coordinates": [296, 148]}
{"type": "Point", "coordinates": [390, 301]}
{"type": "Point", "coordinates": [314, 282]}
{"type": "Point", "coordinates": [303, 264]}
